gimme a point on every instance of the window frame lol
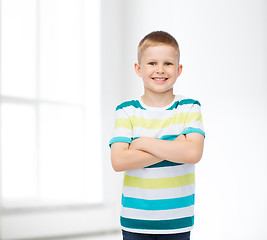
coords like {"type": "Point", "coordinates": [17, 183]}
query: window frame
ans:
{"type": "Point", "coordinates": [75, 219]}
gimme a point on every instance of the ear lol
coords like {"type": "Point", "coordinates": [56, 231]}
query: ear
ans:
{"type": "Point", "coordinates": [179, 70]}
{"type": "Point", "coordinates": [137, 69]}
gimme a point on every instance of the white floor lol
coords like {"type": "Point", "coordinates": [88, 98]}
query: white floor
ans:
{"type": "Point", "coordinates": [113, 236]}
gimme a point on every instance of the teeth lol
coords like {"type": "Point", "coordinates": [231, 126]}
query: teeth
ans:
{"type": "Point", "coordinates": [160, 79]}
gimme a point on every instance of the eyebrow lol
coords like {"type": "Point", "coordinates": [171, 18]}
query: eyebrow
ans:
{"type": "Point", "coordinates": [165, 60]}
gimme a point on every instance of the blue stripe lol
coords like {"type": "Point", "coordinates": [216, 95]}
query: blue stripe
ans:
{"type": "Point", "coordinates": [120, 139]}
{"type": "Point", "coordinates": [193, 130]}
{"type": "Point", "coordinates": [170, 224]}
{"type": "Point", "coordinates": [134, 103]}
{"type": "Point", "coordinates": [161, 204]}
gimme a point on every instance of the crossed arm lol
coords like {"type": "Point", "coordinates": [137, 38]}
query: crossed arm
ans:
{"type": "Point", "coordinates": [146, 151]}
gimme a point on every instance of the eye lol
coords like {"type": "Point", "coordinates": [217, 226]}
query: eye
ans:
{"type": "Point", "coordinates": [168, 63]}
{"type": "Point", "coordinates": [152, 63]}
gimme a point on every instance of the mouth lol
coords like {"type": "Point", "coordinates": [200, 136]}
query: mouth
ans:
{"type": "Point", "coordinates": [159, 79]}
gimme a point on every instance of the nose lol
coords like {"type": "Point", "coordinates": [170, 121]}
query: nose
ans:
{"type": "Point", "coordinates": [160, 69]}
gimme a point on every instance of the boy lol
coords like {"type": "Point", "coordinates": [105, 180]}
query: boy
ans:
{"type": "Point", "coordinates": [157, 139]}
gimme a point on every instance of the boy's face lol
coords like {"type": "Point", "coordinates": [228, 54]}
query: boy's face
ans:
{"type": "Point", "coordinates": [159, 68]}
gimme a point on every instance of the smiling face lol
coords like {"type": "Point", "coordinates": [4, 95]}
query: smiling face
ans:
{"type": "Point", "coordinates": [159, 69]}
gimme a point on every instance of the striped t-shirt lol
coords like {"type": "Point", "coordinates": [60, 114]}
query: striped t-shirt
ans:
{"type": "Point", "coordinates": [158, 199]}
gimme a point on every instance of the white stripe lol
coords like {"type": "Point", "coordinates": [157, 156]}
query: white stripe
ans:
{"type": "Point", "coordinates": [173, 171]}
{"type": "Point", "coordinates": [195, 124]}
{"type": "Point", "coordinates": [160, 115]}
{"type": "Point", "coordinates": [173, 129]}
{"type": "Point", "coordinates": [121, 114]}
{"type": "Point", "coordinates": [195, 108]}
{"type": "Point", "coordinates": [159, 214]}
{"type": "Point", "coordinates": [165, 193]}
{"type": "Point", "coordinates": [122, 132]}
{"type": "Point", "coordinates": [181, 230]}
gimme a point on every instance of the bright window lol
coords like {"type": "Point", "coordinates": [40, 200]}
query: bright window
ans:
{"type": "Point", "coordinates": [50, 111]}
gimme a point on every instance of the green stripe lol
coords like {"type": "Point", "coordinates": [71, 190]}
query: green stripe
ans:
{"type": "Point", "coordinates": [164, 137]}
{"type": "Point", "coordinates": [164, 163]}
{"type": "Point", "coordinates": [174, 106]}
{"type": "Point", "coordinates": [159, 183]}
{"type": "Point", "coordinates": [189, 101]}
{"type": "Point", "coordinates": [137, 104]}
{"type": "Point", "coordinates": [158, 204]}
{"type": "Point", "coordinates": [157, 224]}
{"type": "Point", "coordinates": [134, 103]}
{"type": "Point", "coordinates": [183, 102]}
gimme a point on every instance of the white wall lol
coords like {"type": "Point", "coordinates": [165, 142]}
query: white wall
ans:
{"type": "Point", "coordinates": [223, 51]}
{"type": "Point", "coordinates": [111, 55]}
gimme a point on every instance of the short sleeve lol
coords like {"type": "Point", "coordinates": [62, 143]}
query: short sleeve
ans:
{"type": "Point", "coordinates": [193, 121]}
{"type": "Point", "coordinates": [123, 128]}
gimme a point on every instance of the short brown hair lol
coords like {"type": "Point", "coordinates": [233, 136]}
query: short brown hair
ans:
{"type": "Point", "coordinates": [157, 38]}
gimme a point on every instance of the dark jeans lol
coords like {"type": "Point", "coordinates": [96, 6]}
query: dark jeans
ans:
{"type": "Point", "coordinates": [141, 236]}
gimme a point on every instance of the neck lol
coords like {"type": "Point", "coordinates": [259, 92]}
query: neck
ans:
{"type": "Point", "coordinates": [158, 100]}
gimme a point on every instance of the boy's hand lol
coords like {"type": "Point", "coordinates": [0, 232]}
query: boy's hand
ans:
{"type": "Point", "coordinates": [135, 144]}
{"type": "Point", "coordinates": [138, 143]}
{"type": "Point", "coordinates": [183, 149]}
{"type": "Point", "coordinates": [181, 137]}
